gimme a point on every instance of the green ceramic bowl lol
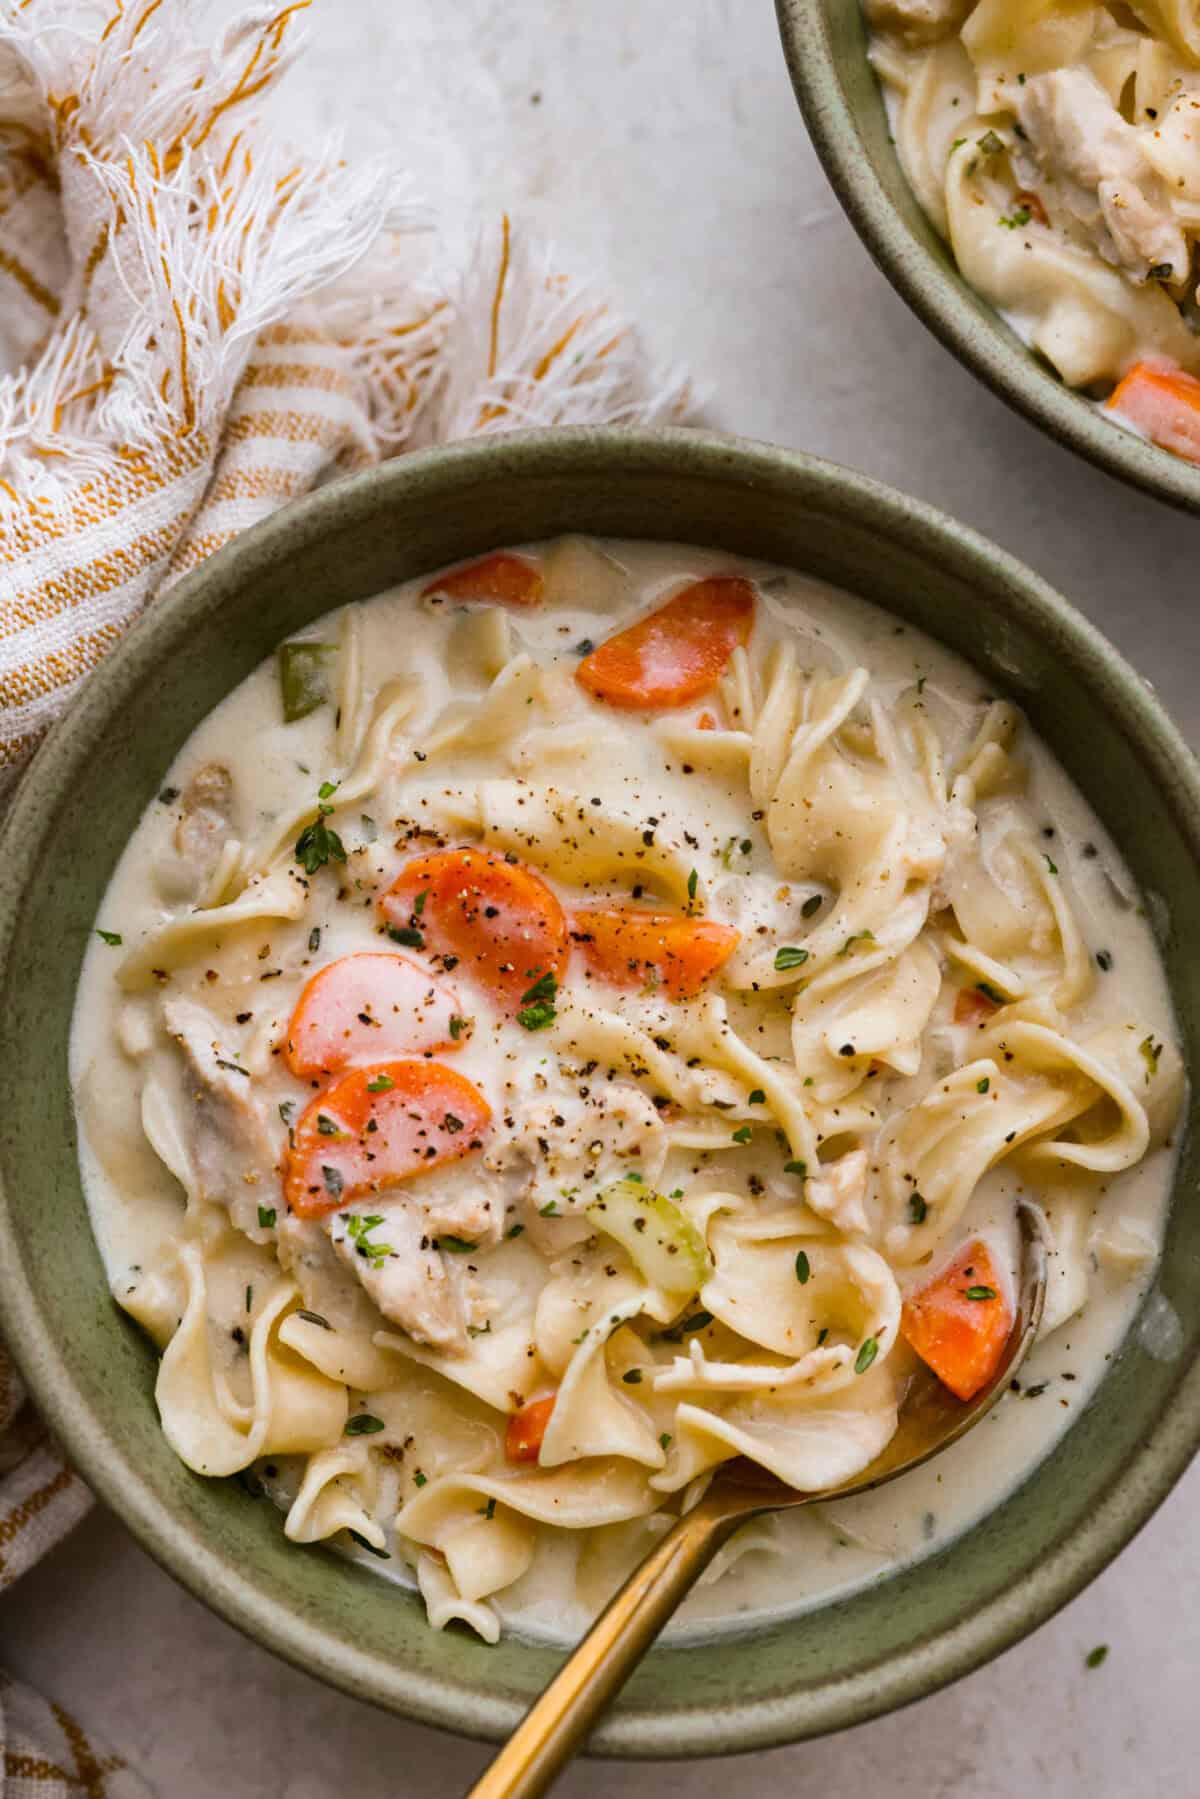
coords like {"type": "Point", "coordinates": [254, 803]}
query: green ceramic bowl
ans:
{"type": "Point", "coordinates": [93, 1373]}
{"type": "Point", "coordinates": [825, 42]}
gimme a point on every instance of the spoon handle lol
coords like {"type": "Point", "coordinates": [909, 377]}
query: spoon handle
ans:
{"type": "Point", "coordinates": [556, 1725]}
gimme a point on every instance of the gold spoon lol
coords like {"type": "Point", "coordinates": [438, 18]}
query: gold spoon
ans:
{"type": "Point", "coordinates": [557, 1724]}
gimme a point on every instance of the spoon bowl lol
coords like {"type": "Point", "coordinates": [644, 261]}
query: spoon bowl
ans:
{"type": "Point", "coordinates": [930, 1419]}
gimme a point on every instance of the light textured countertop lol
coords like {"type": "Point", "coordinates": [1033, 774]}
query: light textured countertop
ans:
{"type": "Point", "coordinates": [659, 143]}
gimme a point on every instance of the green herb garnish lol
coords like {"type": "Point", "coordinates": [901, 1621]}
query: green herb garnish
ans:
{"type": "Point", "coordinates": [918, 1208]}
{"type": "Point", "coordinates": [317, 844]}
{"type": "Point", "coordinates": [458, 1246]}
{"type": "Point", "coordinates": [811, 905]}
{"type": "Point", "coordinates": [743, 1134]}
{"type": "Point", "coordinates": [1095, 1656]}
{"type": "Point", "coordinates": [363, 1424]}
{"type": "Point", "coordinates": [803, 1268]}
{"type": "Point", "coordinates": [406, 934]}
{"type": "Point", "coordinates": [538, 1003]}
{"type": "Point", "coordinates": [983, 1085]}
{"type": "Point", "coordinates": [800, 1168]}
{"type": "Point", "coordinates": [383, 1083]}
{"type": "Point", "coordinates": [266, 1217]}
{"type": "Point", "coordinates": [112, 938]}
{"type": "Point", "coordinates": [359, 1229]}
{"type": "Point", "coordinates": [980, 1292]}
{"type": "Point", "coordinates": [789, 957]}
{"type": "Point", "coordinates": [868, 1350]}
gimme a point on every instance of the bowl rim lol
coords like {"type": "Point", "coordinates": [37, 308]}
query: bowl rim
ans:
{"type": "Point", "coordinates": [667, 1731]}
{"type": "Point", "coordinates": [939, 295]}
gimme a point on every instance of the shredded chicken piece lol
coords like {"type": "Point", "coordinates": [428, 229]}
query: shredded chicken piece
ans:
{"type": "Point", "coordinates": [918, 21]}
{"type": "Point", "coordinates": [230, 1147]}
{"type": "Point", "coordinates": [1104, 178]}
{"type": "Point", "coordinates": [207, 807]}
{"type": "Point", "coordinates": [839, 1191]}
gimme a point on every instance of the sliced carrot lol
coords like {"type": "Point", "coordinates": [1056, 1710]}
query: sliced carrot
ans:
{"type": "Point", "coordinates": [972, 1006]}
{"type": "Point", "coordinates": [497, 918]}
{"type": "Point", "coordinates": [959, 1323]}
{"type": "Point", "coordinates": [376, 1126]}
{"type": "Point", "coordinates": [635, 949]}
{"type": "Point", "coordinates": [676, 654]}
{"type": "Point", "coordinates": [526, 1428]}
{"type": "Point", "coordinates": [367, 1008]}
{"type": "Point", "coordinates": [1165, 404]}
{"type": "Point", "coordinates": [506, 579]}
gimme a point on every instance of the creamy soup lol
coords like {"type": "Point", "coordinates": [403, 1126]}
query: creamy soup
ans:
{"type": "Point", "coordinates": [591, 1015]}
{"type": "Point", "coordinates": [1055, 144]}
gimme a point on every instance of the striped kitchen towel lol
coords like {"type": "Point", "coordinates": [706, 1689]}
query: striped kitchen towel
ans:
{"type": "Point", "coordinates": [196, 325]}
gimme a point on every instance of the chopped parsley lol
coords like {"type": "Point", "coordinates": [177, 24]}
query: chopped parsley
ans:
{"type": "Point", "coordinates": [314, 1318]}
{"type": "Point", "coordinates": [991, 143]}
{"type": "Point", "coordinates": [514, 1230]}
{"type": "Point", "coordinates": [856, 937]}
{"type": "Point", "coordinates": [632, 1377]}
{"type": "Point", "coordinates": [803, 1268]}
{"type": "Point", "coordinates": [363, 1424]}
{"type": "Point", "coordinates": [317, 844]}
{"type": "Point", "coordinates": [758, 1097]}
{"type": "Point", "coordinates": [538, 1008]}
{"type": "Point", "coordinates": [918, 1207]}
{"type": "Point", "coordinates": [549, 1210]}
{"type": "Point", "coordinates": [1151, 1051]}
{"type": "Point", "coordinates": [990, 992]}
{"type": "Point", "coordinates": [983, 1085]}
{"type": "Point", "coordinates": [406, 934]}
{"type": "Point", "coordinates": [811, 905]}
{"type": "Point", "coordinates": [266, 1217]}
{"type": "Point", "coordinates": [981, 1292]}
{"type": "Point", "coordinates": [327, 1126]}
{"type": "Point", "coordinates": [1052, 866]}
{"type": "Point", "coordinates": [1095, 1656]}
{"type": "Point", "coordinates": [458, 1246]}
{"type": "Point", "coordinates": [693, 883]}
{"type": "Point", "coordinates": [789, 957]}
{"type": "Point", "coordinates": [359, 1229]}
{"type": "Point", "coordinates": [334, 1183]}
{"type": "Point", "coordinates": [1161, 271]}
{"type": "Point", "coordinates": [113, 938]}
{"type": "Point", "coordinates": [1104, 960]}
{"type": "Point", "coordinates": [743, 1134]}
{"type": "Point", "coordinates": [457, 1027]}
{"type": "Point", "coordinates": [383, 1083]}
{"type": "Point", "coordinates": [868, 1350]}
{"type": "Point", "coordinates": [800, 1168]}
{"type": "Point", "coordinates": [664, 1442]}
{"type": "Point", "coordinates": [419, 1479]}
{"type": "Point", "coordinates": [314, 940]}
{"type": "Point", "coordinates": [1020, 215]}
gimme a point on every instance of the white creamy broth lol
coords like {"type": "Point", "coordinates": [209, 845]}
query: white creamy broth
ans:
{"type": "Point", "coordinates": [863, 841]}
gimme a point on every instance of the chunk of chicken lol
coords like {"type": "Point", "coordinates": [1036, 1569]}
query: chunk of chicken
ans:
{"type": "Point", "coordinates": [557, 1153]}
{"type": "Point", "coordinates": [918, 21]}
{"type": "Point", "coordinates": [402, 1270]}
{"type": "Point", "coordinates": [1080, 140]}
{"type": "Point", "coordinates": [207, 809]}
{"type": "Point", "coordinates": [839, 1191]}
{"type": "Point", "coordinates": [228, 1140]}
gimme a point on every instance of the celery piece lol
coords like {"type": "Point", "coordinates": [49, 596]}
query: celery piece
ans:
{"type": "Point", "coordinates": [303, 678]}
{"type": "Point", "coordinates": [661, 1241]}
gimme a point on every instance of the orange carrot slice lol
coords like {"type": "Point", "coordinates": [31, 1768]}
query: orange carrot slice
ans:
{"type": "Point", "coordinates": [1165, 404]}
{"type": "Point", "coordinates": [676, 654]}
{"type": "Point", "coordinates": [497, 918]}
{"type": "Point", "coordinates": [506, 579]}
{"type": "Point", "coordinates": [376, 1126]}
{"type": "Point", "coordinates": [972, 1006]}
{"type": "Point", "coordinates": [367, 1008]}
{"type": "Point", "coordinates": [636, 949]}
{"type": "Point", "coordinates": [960, 1322]}
{"type": "Point", "coordinates": [526, 1428]}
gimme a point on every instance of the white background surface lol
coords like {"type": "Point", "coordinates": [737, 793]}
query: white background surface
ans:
{"type": "Point", "coordinates": [658, 142]}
